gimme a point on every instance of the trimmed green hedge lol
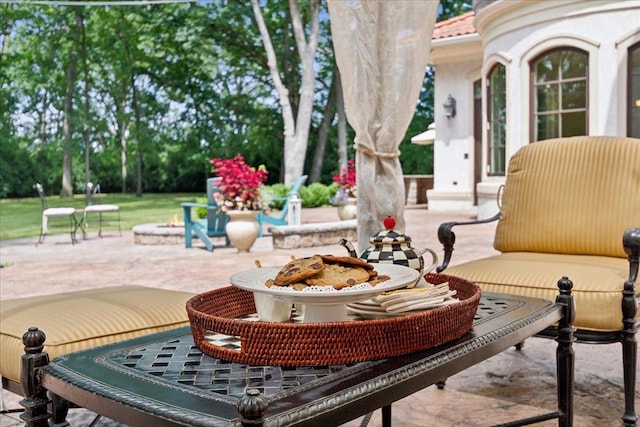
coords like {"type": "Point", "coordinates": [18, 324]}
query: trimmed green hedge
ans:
{"type": "Point", "coordinates": [313, 196]}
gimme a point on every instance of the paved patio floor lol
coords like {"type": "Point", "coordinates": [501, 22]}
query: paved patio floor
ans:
{"type": "Point", "coordinates": [510, 385]}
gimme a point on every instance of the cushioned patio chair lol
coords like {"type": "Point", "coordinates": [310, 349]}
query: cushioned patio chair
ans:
{"type": "Point", "coordinates": [79, 320]}
{"type": "Point", "coordinates": [570, 207]}
{"type": "Point", "coordinates": [99, 208]}
{"type": "Point", "coordinates": [60, 212]}
{"type": "Point", "coordinates": [281, 217]}
{"type": "Point", "coordinates": [213, 226]}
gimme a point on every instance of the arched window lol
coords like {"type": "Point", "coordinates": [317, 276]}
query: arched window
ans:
{"type": "Point", "coordinates": [497, 116]}
{"type": "Point", "coordinates": [633, 106]}
{"type": "Point", "coordinates": [559, 93]}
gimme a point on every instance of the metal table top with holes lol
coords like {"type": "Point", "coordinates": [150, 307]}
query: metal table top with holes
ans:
{"type": "Point", "coordinates": [163, 379]}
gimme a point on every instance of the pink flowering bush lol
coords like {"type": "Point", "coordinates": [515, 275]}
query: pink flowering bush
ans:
{"type": "Point", "coordinates": [241, 184]}
{"type": "Point", "coordinates": [346, 179]}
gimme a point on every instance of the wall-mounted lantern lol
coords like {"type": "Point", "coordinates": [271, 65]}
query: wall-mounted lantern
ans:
{"type": "Point", "coordinates": [450, 107]}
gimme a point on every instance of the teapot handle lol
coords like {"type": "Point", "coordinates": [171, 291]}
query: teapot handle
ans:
{"type": "Point", "coordinates": [434, 257]}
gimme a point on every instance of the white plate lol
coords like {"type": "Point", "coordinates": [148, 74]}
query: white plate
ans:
{"type": "Point", "coordinates": [254, 280]}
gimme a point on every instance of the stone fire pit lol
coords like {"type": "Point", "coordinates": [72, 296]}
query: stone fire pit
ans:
{"type": "Point", "coordinates": [158, 234]}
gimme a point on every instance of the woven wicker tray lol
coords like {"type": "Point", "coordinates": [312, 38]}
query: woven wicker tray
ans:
{"type": "Point", "coordinates": [329, 343]}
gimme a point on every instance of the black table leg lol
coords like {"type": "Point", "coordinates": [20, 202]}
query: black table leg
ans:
{"type": "Point", "coordinates": [565, 358]}
{"type": "Point", "coordinates": [252, 407]}
{"type": "Point", "coordinates": [565, 363]}
{"type": "Point", "coordinates": [386, 416]}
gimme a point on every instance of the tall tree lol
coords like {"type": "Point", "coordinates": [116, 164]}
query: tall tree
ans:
{"type": "Point", "coordinates": [87, 107]}
{"type": "Point", "coordinates": [44, 75]}
{"type": "Point", "coordinates": [342, 124]}
{"type": "Point", "coordinates": [296, 123]}
{"type": "Point", "coordinates": [323, 131]}
{"type": "Point", "coordinates": [163, 88]}
{"type": "Point", "coordinates": [69, 94]}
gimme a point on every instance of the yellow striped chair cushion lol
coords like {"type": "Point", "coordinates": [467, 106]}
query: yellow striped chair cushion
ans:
{"type": "Point", "coordinates": [597, 280]}
{"type": "Point", "coordinates": [79, 320]}
{"type": "Point", "coordinates": [571, 196]}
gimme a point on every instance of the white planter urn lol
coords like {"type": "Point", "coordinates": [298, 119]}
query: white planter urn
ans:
{"type": "Point", "coordinates": [349, 209]}
{"type": "Point", "coordinates": [242, 229]}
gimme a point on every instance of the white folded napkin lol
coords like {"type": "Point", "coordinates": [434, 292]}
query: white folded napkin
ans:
{"type": "Point", "coordinates": [422, 297]}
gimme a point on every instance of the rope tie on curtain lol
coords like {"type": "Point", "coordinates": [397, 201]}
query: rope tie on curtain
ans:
{"type": "Point", "coordinates": [373, 153]}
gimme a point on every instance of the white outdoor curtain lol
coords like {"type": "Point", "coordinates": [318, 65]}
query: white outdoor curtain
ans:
{"type": "Point", "coordinates": [381, 49]}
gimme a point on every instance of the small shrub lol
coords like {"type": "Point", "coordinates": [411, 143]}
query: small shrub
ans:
{"type": "Point", "coordinates": [316, 195]}
{"type": "Point", "coordinates": [313, 196]}
{"type": "Point", "coordinates": [277, 190]}
{"type": "Point", "coordinates": [202, 212]}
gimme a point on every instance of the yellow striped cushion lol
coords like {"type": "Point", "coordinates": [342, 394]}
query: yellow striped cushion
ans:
{"type": "Point", "coordinates": [572, 196]}
{"type": "Point", "coordinates": [79, 320]}
{"type": "Point", "coordinates": [597, 282]}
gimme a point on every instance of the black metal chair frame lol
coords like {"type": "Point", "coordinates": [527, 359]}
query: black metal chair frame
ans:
{"type": "Point", "coordinates": [628, 326]}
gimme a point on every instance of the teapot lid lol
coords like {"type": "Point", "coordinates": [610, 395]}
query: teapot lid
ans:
{"type": "Point", "coordinates": [389, 235]}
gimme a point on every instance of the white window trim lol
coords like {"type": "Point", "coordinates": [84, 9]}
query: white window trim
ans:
{"type": "Point", "coordinates": [622, 46]}
{"type": "Point", "coordinates": [553, 42]}
{"type": "Point", "coordinates": [472, 76]}
{"type": "Point", "coordinates": [503, 59]}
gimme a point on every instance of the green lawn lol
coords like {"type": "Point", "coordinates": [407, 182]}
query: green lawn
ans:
{"type": "Point", "coordinates": [22, 217]}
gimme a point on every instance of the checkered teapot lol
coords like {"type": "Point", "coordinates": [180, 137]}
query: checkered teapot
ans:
{"type": "Point", "coordinates": [390, 247]}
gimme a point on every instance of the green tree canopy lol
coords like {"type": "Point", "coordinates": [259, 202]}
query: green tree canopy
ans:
{"type": "Point", "coordinates": [157, 91]}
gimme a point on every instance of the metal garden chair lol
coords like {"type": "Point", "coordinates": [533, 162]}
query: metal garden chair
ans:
{"type": "Point", "coordinates": [59, 212]}
{"type": "Point", "coordinates": [99, 208]}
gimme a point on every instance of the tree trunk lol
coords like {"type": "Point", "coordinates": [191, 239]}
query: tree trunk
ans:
{"type": "Point", "coordinates": [323, 131]}
{"type": "Point", "coordinates": [85, 126]}
{"type": "Point", "coordinates": [296, 129]}
{"type": "Point", "coordinates": [342, 124]}
{"type": "Point", "coordinates": [283, 92]}
{"type": "Point", "coordinates": [296, 153]}
{"type": "Point", "coordinates": [138, 172]}
{"type": "Point", "coordinates": [121, 118]}
{"type": "Point", "coordinates": [136, 110]}
{"type": "Point", "coordinates": [67, 158]}
{"type": "Point", "coordinates": [123, 154]}
{"type": "Point", "coordinates": [43, 118]}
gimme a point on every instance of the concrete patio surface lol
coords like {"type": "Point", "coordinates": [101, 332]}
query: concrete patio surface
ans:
{"type": "Point", "coordinates": [511, 385]}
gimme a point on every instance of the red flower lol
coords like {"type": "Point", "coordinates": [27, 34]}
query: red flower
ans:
{"type": "Point", "coordinates": [347, 179]}
{"type": "Point", "coordinates": [240, 186]}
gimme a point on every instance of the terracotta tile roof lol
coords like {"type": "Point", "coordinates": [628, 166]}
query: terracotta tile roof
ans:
{"type": "Point", "coordinates": [456, 26]}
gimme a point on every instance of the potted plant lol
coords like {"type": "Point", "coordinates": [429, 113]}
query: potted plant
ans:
{"type": "Point", "coordinates": [346, 198]}
{"type": "Point", "coordinates": [240, 185]}
{"type": "Point", "coordinates": [239, 197]}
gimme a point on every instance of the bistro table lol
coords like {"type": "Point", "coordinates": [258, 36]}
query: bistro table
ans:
{"type": "Point", "coordinates": [165, 380]}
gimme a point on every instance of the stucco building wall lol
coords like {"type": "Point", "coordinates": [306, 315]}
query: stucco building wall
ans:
{"type": "Point", "coordinates": [513, 33]}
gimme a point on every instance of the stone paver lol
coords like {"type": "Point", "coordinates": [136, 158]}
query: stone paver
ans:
{"type": "Point", "coordinates": [512, 384]}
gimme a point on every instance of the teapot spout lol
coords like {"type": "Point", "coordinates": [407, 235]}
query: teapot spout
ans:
{"type": "Point", "coordinates": [349, 246]}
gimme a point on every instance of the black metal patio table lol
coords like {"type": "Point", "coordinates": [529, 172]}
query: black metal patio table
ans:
{"type": "Point", "coordinates": [164, 380]}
